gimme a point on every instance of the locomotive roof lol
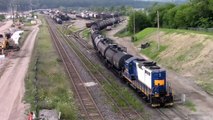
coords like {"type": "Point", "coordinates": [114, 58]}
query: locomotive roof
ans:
{"type": "Point", "coordinates": [152, 66]}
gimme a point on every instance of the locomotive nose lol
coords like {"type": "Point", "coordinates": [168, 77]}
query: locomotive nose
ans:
{"type": "Point", "coordinates": [162, 101]}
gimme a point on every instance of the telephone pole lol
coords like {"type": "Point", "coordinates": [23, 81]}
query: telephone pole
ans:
{"type": "Point", "coordinates": [158, 34]}
{"type": "Point", "coordinates": [134, 24]}
{"type": "Point", "coordinates": [12, 8]}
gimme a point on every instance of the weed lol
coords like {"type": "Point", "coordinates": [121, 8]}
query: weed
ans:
{"type": "Point", "coordinates": [190, 105]}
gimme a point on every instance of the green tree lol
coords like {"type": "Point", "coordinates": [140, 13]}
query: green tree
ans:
{"type": "Point", "coordinates": [2, 17]}
{"type": "Point", "coordinates": [169, 18]}
{"type": "Point", "coordinates": [162, 9]}
{"type": "Point", "coordinates": [196, 13]}
{"type": "Point", "coordinates": [140, 20]}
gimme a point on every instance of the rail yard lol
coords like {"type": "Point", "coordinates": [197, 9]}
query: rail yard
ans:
{"type": "Point", "coordinates": [103, 76]}
{"type": "Point", "coordinates": [89, 57]}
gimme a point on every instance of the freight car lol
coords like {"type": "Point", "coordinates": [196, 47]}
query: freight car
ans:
{"type": "Point", "coordinates": [57, 20]}
{"type": "Point", "coordinates": [101, 24]}
{"type": "Point", "coordinates": [143, 75]}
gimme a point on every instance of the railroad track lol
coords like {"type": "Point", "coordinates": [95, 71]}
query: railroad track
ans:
{"type": "Point", "coordinates": [171, 113]}
{"type": "Point", "coordinates": [99, 77]}
{"type": "Point", "coordinates": [80, 40]}
{"type": "Point", "coordinates": [164, 115]}
{"type": "Point", "coordinates": [88, 107]}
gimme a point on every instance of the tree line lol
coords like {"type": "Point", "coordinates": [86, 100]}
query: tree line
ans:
{"type": "Point", "coordinates": [195, 13]}
{"type": "Point", "coordinates": [22, 5]}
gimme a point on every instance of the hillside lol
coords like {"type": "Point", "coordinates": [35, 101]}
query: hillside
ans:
{"type": "Point", "coordinates": [189, 53]}
{"type": "Point", "coordinates": [25, 4]}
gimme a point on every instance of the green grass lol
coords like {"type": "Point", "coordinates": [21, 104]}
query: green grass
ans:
{"type": "Point", "coordinates": [24, 37]}
{"type": "Point", "coordinates": [149, 31]}
{"type": "Point", "coordinates": [53, 84]}
{"type": "Point", "coordinates": [28, 23]}
{"type": "Point", "coordinates": [182, 31]}
{"type": "Point", "coordinates": [123, 33]}
{"type": "Point", "coordinates": [190, 105]}
{"type": "Point", "coordinates": [143, 34]}
{"type": "Point", "coordinates": [208, 86]}
{"type": "Point", "coordinates": [73, 29]}
{"type": "Point", "coordinates": [86, 33]}
{"type": "Point", "coordinates": [127, 95]}
{"type": "Point", "coordinates": [152, 51]}
{"type": "Point", "coordinates": [205, 80]}
{"type": "Point", "coordinates": [2, 17]}
{"type": "Point", "coordinates": [191, 53]}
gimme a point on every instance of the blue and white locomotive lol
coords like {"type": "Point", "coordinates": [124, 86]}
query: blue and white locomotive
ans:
{"type": "Point", "coordinates": [143, 75]}
{"type": "Point", "coordinates": [149, 79]}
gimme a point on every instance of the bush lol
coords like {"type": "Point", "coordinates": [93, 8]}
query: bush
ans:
{"type": "Point", "coordinates": [2, 17]}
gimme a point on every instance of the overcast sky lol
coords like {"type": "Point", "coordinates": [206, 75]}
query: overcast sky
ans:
{"type": "Point", "coordinates": [163, 0]}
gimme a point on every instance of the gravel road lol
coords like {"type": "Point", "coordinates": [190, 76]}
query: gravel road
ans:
{"type": "Point", "coordinates": [12, 81]}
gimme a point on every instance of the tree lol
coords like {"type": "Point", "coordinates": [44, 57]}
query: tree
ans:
{"type": "Point", "coordinates": [140, 19]}
{"type": "Point", "coordinates": [2, 17]}
{"type": "Point", "coordinates": [162, 9]}
{"type": "Point", "coordinates": [196, 13]}
{"type": "Point", "coordinates": [169, 18]}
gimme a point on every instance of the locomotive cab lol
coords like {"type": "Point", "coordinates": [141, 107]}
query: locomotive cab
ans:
{"type": "Point", "coordinates": [161, 93]}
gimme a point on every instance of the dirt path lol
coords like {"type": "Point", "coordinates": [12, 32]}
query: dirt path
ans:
{"type": "Point", "coordinates": [182, 85]}
{"type": "Point", "coordinates": [12, 81]}
{"type": "Point", "coordinates": [126, 41]}
{"type": "Point", "coordinates": [6, 25]}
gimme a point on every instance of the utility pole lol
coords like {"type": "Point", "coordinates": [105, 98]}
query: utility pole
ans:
{"type": "Point", "coordinates": [12, 7]}
{"type": "Point", "coordinates": [31, 8]}
{"type": "Point", "coordinates": [158, 34]}
{"type": "Point", "coordinates": [134, 24]}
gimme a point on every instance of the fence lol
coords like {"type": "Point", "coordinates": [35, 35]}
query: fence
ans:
{"type": "Point", "coordinates": [201, 29]}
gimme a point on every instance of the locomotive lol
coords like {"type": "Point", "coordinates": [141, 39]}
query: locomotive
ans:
{"type": "Point", "coordinates": [143, 75]}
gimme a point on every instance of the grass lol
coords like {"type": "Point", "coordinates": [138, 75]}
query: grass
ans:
{"type": "Point", "coordinates": [123, 33]}
{"type": "Point", "coordinates": [152, 51]}
{"type": "Point", "coordinates": [191, 53]}
{"type": "Point", "coordinates": [24, 37]}
{"type": "Point", "coordinates": [190, 105]}
{"type": "Point", "coordinates": [140, 36]}
{"type": "Point", "coordinates": [205, 80]}
{"type": "Point", "coordinates": [86, 33]}
{"type": "Point", "coordinates": [125, 92]}
{"type": "Point", "coordinates": [53, 86]}
{"type": "Point", "coordinates": [183, 31]}
{"type": "Point", "coordinates": [28, 24]}
{"type": "Point", "coordinates": [73, 29]}
{"type": "Point", "coordinates": [208, 86]}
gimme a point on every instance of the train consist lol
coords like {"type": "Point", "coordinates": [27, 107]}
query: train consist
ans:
{"type": "Point", "coordinates": [92, 15]}
{"type": "Point", "coordinates": [143, 75]}
{"type": "Point", "coordinates": [59, 17]}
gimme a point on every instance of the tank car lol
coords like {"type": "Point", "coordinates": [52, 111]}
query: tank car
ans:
{"type": "Point", "coordinates": [144, 76]}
